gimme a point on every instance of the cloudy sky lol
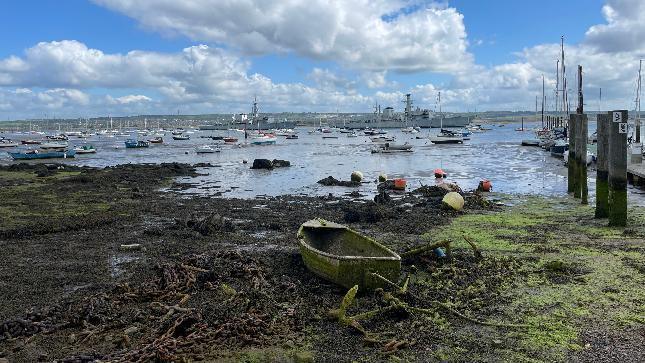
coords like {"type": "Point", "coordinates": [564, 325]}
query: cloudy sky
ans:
{"type": "Point", "coordinates": [78, 58]}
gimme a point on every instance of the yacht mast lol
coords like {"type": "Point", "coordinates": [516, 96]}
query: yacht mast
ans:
{"type": "Point", "coordinates": [408, 107]}
{"type": "Point", "coordinates": [543, 101]}
{"type": "Point", "coordinates": [565, 103]}
{"type": "Point", "coordinates": [638, 103]}
{"type": "Point", "coordinates": [440, 111]}
{"type": "Point", "coordinates": [557, 85]}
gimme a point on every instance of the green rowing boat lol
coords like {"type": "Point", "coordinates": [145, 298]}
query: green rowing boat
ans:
{"type": "Point", "coordinates": [343, 256]}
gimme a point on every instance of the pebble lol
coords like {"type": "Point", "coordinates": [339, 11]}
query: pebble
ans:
{"type": "Point", "coordinates": [130, 330]}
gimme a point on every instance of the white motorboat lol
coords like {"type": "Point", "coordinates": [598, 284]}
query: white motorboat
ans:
{"type": "Point", "coordinates": [264, 140]}
{"type": "Point", "coordinates": [381, 139]}
{"type": "Point", "coordinates": [409, 130]}
{"type": "Point", "coordinates": [8, 143]}
{"type": "Point", "coordinates": [389, 148]}
{"type": "Point", "coordinates": [85, 149]}
{"type": "Point", "coordinates": [207, 149]}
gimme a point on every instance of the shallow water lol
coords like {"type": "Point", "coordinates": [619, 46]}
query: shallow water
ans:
{"type": "Point", "coordinates": [495, 155]}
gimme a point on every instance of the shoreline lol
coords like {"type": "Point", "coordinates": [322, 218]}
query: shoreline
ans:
{"type": "Point", "coordinates": [221, 278]}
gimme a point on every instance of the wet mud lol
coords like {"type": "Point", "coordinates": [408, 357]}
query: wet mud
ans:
{"type": "Point", "coordinates": [222, 279]}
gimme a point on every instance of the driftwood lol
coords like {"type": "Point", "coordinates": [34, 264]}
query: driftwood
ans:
{"type": "Point", "coordinates": [428, 247]}
{"type": "Point", "coordinates": [392, 346]}
{"type": "Point", "coordinates": [476, 250]}
{"type": "Point", "coordinates": [445, 244]}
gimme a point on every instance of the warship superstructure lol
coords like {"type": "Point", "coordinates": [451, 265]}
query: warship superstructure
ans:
{"type": "Point", "coordinates": [254, 122]}
{"type": "Point", "coordinates": [410, 117]}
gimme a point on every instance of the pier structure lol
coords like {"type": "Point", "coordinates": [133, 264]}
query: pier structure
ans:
{"type": "Point", "coordinates": [617, 178]}
{"type": "Point", "coordinates": [602, 173]}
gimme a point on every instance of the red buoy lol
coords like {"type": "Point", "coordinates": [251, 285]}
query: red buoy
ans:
{"type": "Point", "coordinates": [485, 185]}
{"type": "Point", "coordinates": [438, 173]}
{"type": "Point", "coordinates": [399, 184]}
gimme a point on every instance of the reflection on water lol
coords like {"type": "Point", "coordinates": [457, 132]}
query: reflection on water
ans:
{"type": "Point", "coordinates": [495, 155]}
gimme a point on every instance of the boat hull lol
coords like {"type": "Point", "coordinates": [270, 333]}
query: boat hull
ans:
{"type": "Point", "coordinates": [340, 255]}
{"type": "Point", "coordinates": [447, 140]}
{"type": "Point", "coordinates": [262, 126]}
{"type": "Point", "coordinates": [45, 155]}
{"type": "Point", "coordinates": [531, 142]}
{"type": "Point", "coordinates": [558, 150]}
{"type": "Point", "coordinates": [426, 123]}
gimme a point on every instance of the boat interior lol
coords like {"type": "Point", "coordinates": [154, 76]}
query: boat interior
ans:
{"type": "Point", "coordinates": [342, 242]}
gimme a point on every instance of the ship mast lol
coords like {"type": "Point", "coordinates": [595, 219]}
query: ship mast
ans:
{"type": "Point", "coordinates": [557, 85]}
{"type": "Point", "coordinates": [440, 113]}
{"type": "Point", "coordinates": [255, 111]}
{"type": "Point", "coordinates": [638, 103]}
{"type": "Point", "coordinates": [408, 107]}
{"type": "Point", "coordinates": [565, 103]}
{"type": "Point", "coordinates": [543, 101]}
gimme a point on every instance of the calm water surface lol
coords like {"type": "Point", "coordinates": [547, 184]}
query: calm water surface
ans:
{"type": "Point", "coordinates": [495, 155]}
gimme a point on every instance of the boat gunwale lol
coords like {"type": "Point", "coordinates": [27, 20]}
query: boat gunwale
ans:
{"type": "Point", "coordinates": [301, 240]}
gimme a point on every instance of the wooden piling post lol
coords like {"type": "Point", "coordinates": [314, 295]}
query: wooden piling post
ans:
{"type": "Point", "coordinates": [602, 207]}
{"type": "Point", "coordinates": [572, 171]}
{"type": "Point", "coordinates": [617, 178]}
{"type": "Point", "coordinates": [581, 155]}
{"type": "Point", "coordinates": [571, 175]}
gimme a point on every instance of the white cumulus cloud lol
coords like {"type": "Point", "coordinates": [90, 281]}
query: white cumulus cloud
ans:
{"type": "Point", "coordinates": [377, 35]}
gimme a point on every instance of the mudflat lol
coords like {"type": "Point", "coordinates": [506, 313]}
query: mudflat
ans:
{"type": "Point", "coordinates": [222, 279]}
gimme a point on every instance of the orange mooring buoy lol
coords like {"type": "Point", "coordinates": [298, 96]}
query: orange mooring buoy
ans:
{"type": "Point", "coordinates": [485, 185]}
{"type": "Point", "coordinates": [438, 173]}
{"type": "Point", "coordinates": [399, 184]}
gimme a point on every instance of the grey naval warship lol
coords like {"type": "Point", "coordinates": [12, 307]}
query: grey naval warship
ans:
{"type": "Point", "coordinates": [409, 118]}
{"type": "Point", "coordinates": [251, 122]}
{"type": "Point", "coordinates": [387, 118]}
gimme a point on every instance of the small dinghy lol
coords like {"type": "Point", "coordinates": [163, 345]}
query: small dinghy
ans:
{"type": "Point", "coordinates": [207, 149]}
{"type": "Point", "coordinates": [559, 148]}
{"type": "Point", "coordinates": [531, 142]}
{"type": "Point", "coordinates": [230, 140]}
{"type": "Point", "coordinates": [136, 144]}
{"type": "Point", "coordinates": [180, 137]}
{"type": "Point", "coordinates": [85, 149]}
{"type": "Point", "coordinates": [8, 143]}
{"type": "Point", "coordinates": [390, 148]}
{"type": "Point", "coordinates": [447, 137]}
{"type": "Point", "coordinates": [343, 256]}
{"type": "Point", "coordinates": [31, 142]}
